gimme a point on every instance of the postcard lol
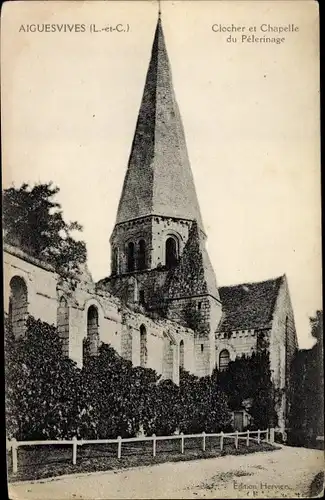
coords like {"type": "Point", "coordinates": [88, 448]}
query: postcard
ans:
{"type": "Point", "coordinates": [163, 318]}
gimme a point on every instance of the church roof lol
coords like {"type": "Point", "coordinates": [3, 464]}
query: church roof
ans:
{"type": "Point", "coordinates": [248, 305]}
{"type": "Point", "coordinates": [159, 180]}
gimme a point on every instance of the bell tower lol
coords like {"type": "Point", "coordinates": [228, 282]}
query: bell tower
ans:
{"type": "Point", "coordinates": [158, 219]}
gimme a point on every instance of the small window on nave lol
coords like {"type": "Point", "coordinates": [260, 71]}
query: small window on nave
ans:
{"type": "Point", "coordinates": [181, 354]}
{"type": "Point", "coordinates": [143, 346]}
{"type": "Point", "coordinates": [18, 305]}
{"type": "Point", "coordinates": [93, 329]}
{"type": "Point", "coordinates": [63, 324]}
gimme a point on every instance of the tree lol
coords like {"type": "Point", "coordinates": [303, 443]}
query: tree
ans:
{"type": "Point", "coordinates": [49, 397]}
{"type": "Point", "coordinates": [306, 413]}
{"type": "Point", "coordinates": [117, 395]}
{"type": "Point", "coordinates": [34, 222]}
{"type": "Point", "coordinates": [249, 378]}
{"type": "Point", "coordinates": [263, 402]}
{"type": "Point", "coordinates": [194, 318]}
{"type": "Point", "coordinates": [161, 416]}
{"type": "Point", "coordinates": [203, 405]}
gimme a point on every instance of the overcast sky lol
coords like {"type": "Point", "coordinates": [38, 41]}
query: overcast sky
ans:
{"type": "Point", "coordinates": [250, 113]}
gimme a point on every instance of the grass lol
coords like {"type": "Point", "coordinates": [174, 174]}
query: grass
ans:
{"type": "Point", "coordinates": [41, 462]}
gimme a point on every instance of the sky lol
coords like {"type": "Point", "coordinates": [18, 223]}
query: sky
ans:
{"type": "Point", "coordinates": [250, 112]}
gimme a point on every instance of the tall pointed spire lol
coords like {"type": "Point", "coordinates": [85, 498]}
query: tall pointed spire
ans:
{"type": "Point", "coordinates": [159, 180]}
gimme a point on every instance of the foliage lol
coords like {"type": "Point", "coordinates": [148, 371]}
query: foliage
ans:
{"type": "Point", "coordinates": [49, 397]}
{"type": "Point", "coordinates": [306, 415]}
{"type": "Point", "coordinates": [116, 394]}
{"type": "Point", "coordinates": [203, 405]}
{"type": "Point", "coordinates": [194, 318]}
{"type": "Point", "coordinates": [34, 222]}
{"type": "Point", "coordinates": [249, 378]}
{"type": "Point", "coordinates": [161, 416]}
{"type": "Point", "coordinates": [158, 300]}
{"type": "Point", "coordinates": [42, 386]}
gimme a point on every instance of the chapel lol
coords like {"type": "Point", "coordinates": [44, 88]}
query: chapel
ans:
{"type": "Point", "coordinates": [160, 306]}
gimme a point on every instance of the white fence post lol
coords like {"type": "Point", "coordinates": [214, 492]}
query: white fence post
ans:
{"type": "Point", "coordinates": [258, 436]}
{"type": "Point", "coordinates": [203, 444]}
{"type": "Point", "coordinates": [221, 441]}
{"type": "Point", "coordinates": [267, 435]}
{"type": "Point", "coordinates": [236, 440]}
{"type": "Point", "coordinates": [74, 450]}
{"type": "Point", "coordinates": [119, 447]}
{"type": "Point", "coordinates": [8, 444]}
{"type": "Point", "coordinates": [182, 442]}
{"type": "Point", "coordinates": [14, 455]}
{"type": "Point", "coordinates": [272, 436]}
{"type": "Point", "coordinates": [154, 445]}
{"type": "Point", "coordinates": [247, 440]}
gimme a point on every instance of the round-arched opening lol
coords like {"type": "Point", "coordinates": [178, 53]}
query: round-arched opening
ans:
{"type": "Point", "coordinates": [142, 255]}
{"type": "Point", "coordinates": [63, 324]}
{"type": "Point", "coordinates": [171, 252]}
{"type": "Point", "coordinates": [224, 359]}
{"type": "Point", "coordinates": [18, 305]}
{"type": "Point", "coordinates": [114, 261]}
{"type": "Point", "coordinates": [92, 329]}
{"type": "Point", "coordinates": [181, 354]}
{"type": "Point", "coordinates": [130, 257]}
{"type": "Point", "coordinates": [143, 346]}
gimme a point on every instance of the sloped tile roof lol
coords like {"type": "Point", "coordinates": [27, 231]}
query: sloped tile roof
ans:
{"type": "Point", "coordinates": [248, 305]}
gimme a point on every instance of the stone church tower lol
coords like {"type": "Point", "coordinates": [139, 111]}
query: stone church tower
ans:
{"type": "Point", "coordinates": [159, 260]}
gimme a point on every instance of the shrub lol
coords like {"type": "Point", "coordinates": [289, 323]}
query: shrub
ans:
{"type": "Point", "coordinates": [49, 397]}
{"type": "Point", "coordinates": [42, 386]}
{"type": "Point", "coordinates": [249, 378]}
{"type": "Point", "coordinates": [203, 405]}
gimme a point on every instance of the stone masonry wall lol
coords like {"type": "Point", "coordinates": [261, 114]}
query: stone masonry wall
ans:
{"type": "Point", "coordinates": [155, 231]}
{"type": "Point", "coordinates": [117, 325]}
{"type": "Point", "coordinates": [40, 281]}
{"type": "Point", "coordinates": [237, 343]}
{"type": "Point", "coordinates": [283, 342]}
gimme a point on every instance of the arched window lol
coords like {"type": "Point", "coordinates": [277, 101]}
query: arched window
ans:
{"type": "Point", "coordinates": [171, 253]}
{"type": "Point", "coordinates": [114, 261]}
{"type": "Point", "coordinates": [224, 359]}
{"type": "Point", "coordinates": [181, 354]}
{"type": "Point", "coordinates": [92, 329]}
{"type": "Point", "coordinates": [63, 324]}
{"type": "Point", "coordinates": [142, 299]}
{"type": "Point", "coordinates": [143, 346]}
{"type": "Point", "coordinates": [18, 306]}
{"type": "Point", "coordinates": [130, 256]}
{"type": "Point", "coordinates": [142, 255]}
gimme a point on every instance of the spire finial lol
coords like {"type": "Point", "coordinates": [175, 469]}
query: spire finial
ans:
{"type": "Point", "coordinates": [159, 10]}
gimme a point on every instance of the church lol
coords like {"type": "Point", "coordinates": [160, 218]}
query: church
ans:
{"type": "Point", "coordinates": [160, 307]}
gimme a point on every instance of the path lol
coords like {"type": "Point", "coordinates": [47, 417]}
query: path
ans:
{"type": "Point", "coordinates": [283, 473]}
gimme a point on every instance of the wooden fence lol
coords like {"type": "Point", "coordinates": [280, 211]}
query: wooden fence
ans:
{"type": "Point", "coordinates": [256, 436]}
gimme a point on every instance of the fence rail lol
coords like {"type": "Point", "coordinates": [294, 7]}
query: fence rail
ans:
{"type": "Point", "coordinates": [268, 434]}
